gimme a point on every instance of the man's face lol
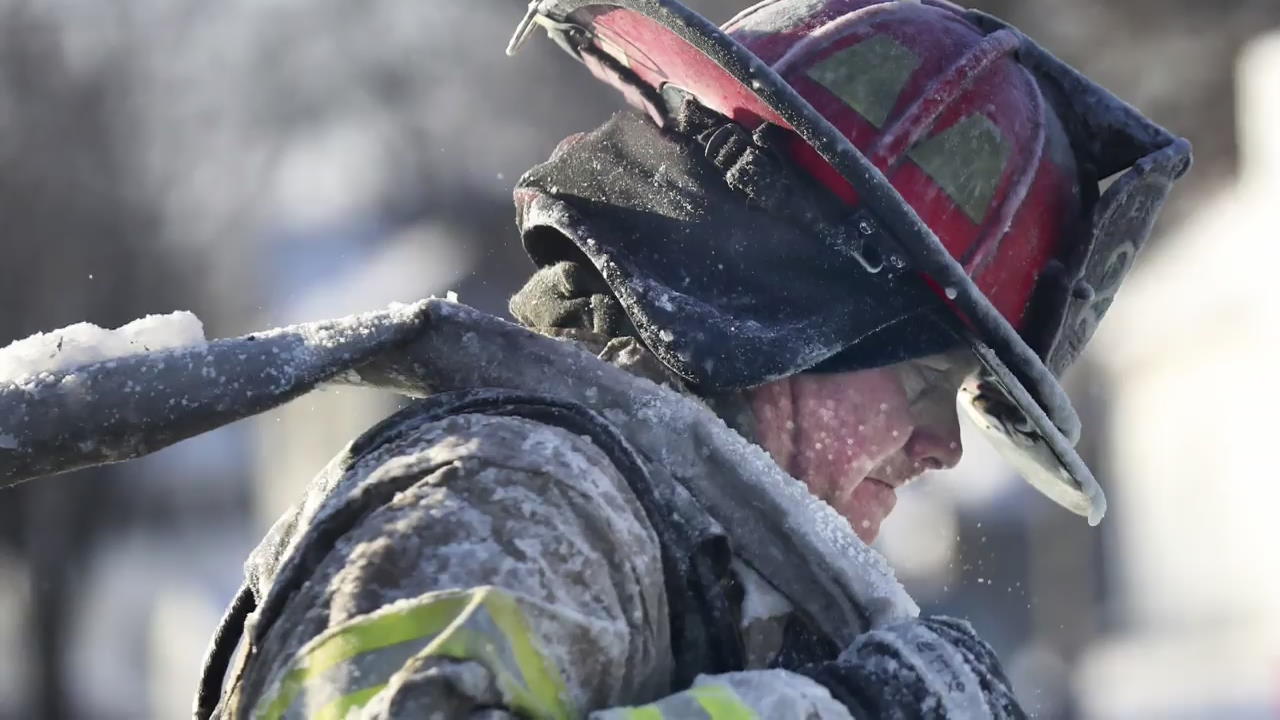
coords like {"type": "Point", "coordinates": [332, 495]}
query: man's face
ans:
{"type": "Point", "coordinates": [856, 437]}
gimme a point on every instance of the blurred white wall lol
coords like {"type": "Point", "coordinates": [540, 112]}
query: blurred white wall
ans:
{"type": "Point", "coordinates": [1190, 350]}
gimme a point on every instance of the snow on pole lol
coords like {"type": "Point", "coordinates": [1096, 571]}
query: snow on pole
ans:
{"type": "Point", "coordinates": [85, 343]}
{"type": "Point", "coordinates": [123, 404]}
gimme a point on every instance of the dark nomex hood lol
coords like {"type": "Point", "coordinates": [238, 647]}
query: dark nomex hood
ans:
{"type": "Point", "coordinates": [725, 293]}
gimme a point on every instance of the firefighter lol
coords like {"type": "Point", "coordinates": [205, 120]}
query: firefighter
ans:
{"type": "Point", "coordinates": [815, 229]}
{"type": "Point", "coordinates": [824, 222]}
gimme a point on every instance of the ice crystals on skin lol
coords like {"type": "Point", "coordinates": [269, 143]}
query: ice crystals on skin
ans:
{"type": "Point", "coordinates": [904, 416]}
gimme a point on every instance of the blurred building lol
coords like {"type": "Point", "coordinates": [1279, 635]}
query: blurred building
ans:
{"type": "Point", "coordinates": [1193, 415]}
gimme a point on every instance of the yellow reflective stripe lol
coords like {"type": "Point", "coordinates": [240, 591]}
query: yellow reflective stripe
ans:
{"type": "Point", "coordinates": [644, 712]}
{"type": "Point", "coordinates": [528, 682]}
{"type": "Point", "coordinates": [338, 709]}
{"type": "Point", "coordinates": [705, 702]}
{"type": "Point", "coordinates": [484, 624]}
{"type": "Point", "coordinates": [363, 635]}
{"type": "Point", "coordinates": [722, 703]}
{"type": "Point", "coordinates": [548, 695]}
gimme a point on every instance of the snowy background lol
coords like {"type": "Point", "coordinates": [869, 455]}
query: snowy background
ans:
{"type": "Point", "coordinates": [260, 163]}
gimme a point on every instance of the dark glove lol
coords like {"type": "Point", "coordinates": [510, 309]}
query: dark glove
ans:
{"type": "Point", "coordinates": [928, 668]}
{"type": "Point", "coordinates": [570, 295]}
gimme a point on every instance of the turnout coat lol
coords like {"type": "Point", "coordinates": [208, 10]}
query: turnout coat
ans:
{"type": "Point", "coordinates": [553, 530]}
{"type": "Point", "coordinates": [562, 535]}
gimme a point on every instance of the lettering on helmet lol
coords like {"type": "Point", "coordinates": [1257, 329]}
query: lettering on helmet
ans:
{"type": "Point", "coordinates": [868, 76]}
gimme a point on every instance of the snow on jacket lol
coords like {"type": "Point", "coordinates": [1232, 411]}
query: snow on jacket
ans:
{"type": "Point", "coordinates": [546, 535]}
{"type": "Point", "coordinates": [478, 555]}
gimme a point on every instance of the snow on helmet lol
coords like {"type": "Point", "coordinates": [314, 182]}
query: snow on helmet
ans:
{"type": "Point", "coordinates": [972, 156]}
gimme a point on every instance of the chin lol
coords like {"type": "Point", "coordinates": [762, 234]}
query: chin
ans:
{"type": "Point", "coordinates": [867, 506]}
{"type": "Point", "coordinates": [868, 529]}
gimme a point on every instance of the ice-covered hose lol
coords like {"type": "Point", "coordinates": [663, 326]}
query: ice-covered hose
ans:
{"type": "Point", "coordinates": [124, 408]}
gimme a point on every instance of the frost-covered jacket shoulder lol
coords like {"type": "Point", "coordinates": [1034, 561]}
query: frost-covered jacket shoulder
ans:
{"type": "Point", "coordinates": [476, 561]}
{"type": "Point", "coordinates": [344, 620]}
{"type": "Point", "coordinates": [507, 528]}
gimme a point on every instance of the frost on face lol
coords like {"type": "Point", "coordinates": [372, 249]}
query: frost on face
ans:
{"type": "Point", "coordinates": [84, 343]}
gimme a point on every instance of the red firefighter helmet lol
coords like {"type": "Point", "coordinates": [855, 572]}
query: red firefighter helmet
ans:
{"type": "Point", "coordinates": [956, 125]}
{"type": "Point", "coordinates": [977, 152]}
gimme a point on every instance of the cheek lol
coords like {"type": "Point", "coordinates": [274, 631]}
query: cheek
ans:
{"type": "Point", "coordinates": [867, 408]}
{"type": "Point", "coordinates": [775, 419]}
{"type": "Point", "coordinates": [845, 424]}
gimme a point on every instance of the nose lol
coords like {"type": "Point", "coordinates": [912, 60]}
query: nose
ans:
{"type": "Point", "coordinates": [934, 443]}
{"type": "Point", "coordinates": [935, 447]}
